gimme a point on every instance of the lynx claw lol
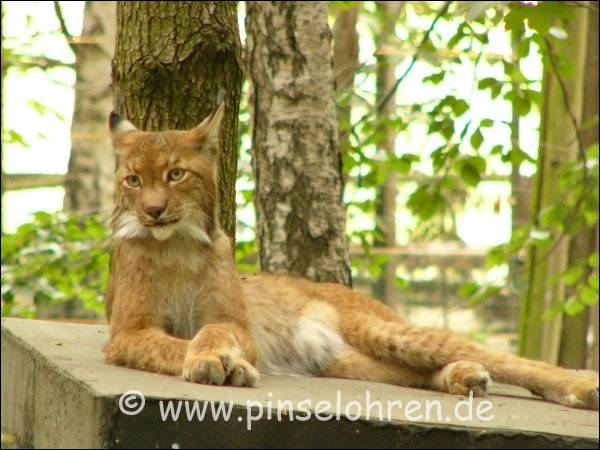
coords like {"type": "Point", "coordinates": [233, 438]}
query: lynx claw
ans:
{"type": "Point", "coordinates": [219, 370]}
{"type": "Point", "coordinates": [205, 370]}
{"type": "Point", "coordinates": [243, 374]}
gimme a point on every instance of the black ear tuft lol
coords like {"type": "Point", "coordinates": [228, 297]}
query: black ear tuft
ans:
{"type": "Point", "coordinates": [117, 125]}
{"type": "Point", "coordinates": [113, 121]}
{"type": "Point", "coordinates": [208, 131]}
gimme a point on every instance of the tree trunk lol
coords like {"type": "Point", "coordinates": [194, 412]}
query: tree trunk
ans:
{"type": "Point", "coordinates": [540, 338]}
{"type": "Point", "coordinates": [573, 350]}
{"type": "Point", "coordinates": [296, 158]}
{"type": "Point", "coordinates": [172, 60]}
{"type": "Point", "coordinates": [385, 208]}
{"type": "Point", "coordinates": [345, 47]}
{"type": "Point", "coordinates": [89, 181]}
{"type": "Point", "coordinates": [345, 63]}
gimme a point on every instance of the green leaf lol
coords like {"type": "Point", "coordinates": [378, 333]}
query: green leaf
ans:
{"type": "Point", "coordinates": [593, 281]}
{"type": "Point", "coordinates": [476, 139]}
{"type": "Point", "coordinates": [16, 138]}
{"type": "Point", "coordinates": [459, 107]}
{"type": "Point", "coordinates": [496, 256]}
{"type": "Point", "coordinates": [468, 289]}
{"type": "Point", "coordinates": [551, 313]}
{"type": "Point", "coordinates": [471, 169]}
{"type": "Point", "coordinates": [470, 175]}
{"type": "Point", "coordinates": [539, 17]}
{"type": "Point", "coordinates": [497, 149]}
{"type": "Point", "coordinates": [517, 156]}
{"type": "Point", "coordinates": [435, 78]}
{"type": "Point", "coordinates": [573, 307]}
{"type": "Point", "coordinates": [492, 84]}
{"type": "Point", "coordinates": [573, 275]}
{"type": "Point", "coordinates": [552, 215]}
{"type": "Point", "coordinates": [486, 123]}
{"type": "Point", "coordinates": [483, 294]}
{"type": "Point", "coordinates": [589, 296]}
{"type": "Point", "coordinates": [426, 201]}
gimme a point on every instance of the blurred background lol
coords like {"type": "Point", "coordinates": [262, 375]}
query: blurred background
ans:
{"type": "Point", "coordinates": [469, 142]}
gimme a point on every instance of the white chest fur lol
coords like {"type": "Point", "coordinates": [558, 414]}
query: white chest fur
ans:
{"type": "Point", "coordinates": [179, 311]}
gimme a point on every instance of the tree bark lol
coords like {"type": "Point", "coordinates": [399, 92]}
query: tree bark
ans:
{"type": "Point", "coordinates": [89, 180]}
{"type": "Point", "coordinates": [172, 60]}
{"type": "Point", "coordinates": [345, 47]}
{"type": "Point", "coordinates": [345, 63]}
{"type": "Point", "coordinates": [296, 157]}
{"type": "Point", "coordinates": [538, 338]}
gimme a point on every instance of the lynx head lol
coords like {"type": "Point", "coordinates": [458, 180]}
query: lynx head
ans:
{"type": "Point", "coordinates": [165, 181]}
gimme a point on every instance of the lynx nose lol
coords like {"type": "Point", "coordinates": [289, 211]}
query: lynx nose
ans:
{"type": "Point", "coordinates": [154, 211]}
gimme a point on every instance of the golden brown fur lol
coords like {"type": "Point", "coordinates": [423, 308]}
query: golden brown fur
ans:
{"type": "Point", "coordinates": [177, 306]}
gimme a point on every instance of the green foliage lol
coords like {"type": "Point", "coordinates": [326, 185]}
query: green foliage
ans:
{"type": "Point", "coordinates": [56, 259]}
{"type": "Point", "coordinates": [60, 259]}
{"type": "Point", "coordinates": [467, 148]}
{"type": "Point", "coordinates": [574, 209]}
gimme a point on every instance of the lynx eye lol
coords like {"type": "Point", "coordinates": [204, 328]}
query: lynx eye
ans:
{"type": "Point", "coordinates": [176, 174]}
{"type": "Point", "coordinates": [133, 181]}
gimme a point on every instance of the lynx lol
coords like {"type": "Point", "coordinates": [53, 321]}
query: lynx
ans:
{"type": "Point", "coordinates": [177, 306]}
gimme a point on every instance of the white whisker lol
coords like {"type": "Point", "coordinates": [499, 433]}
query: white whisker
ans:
{"type": "Point", "coordinates": [195, 231]}
{"type": "Point", "coordinates": [127, 226]}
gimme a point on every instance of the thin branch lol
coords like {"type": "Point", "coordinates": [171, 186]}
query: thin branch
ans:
{"type": "Point", "coordinates": [25, 62]}
{"type": "Point", "coordinates": [63, 25]}
{"type": "Point", "coordinates": [567, 104]}
{"type": "Point", "coordinates": [414, 59]}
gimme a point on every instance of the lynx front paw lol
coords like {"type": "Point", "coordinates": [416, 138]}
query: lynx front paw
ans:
{"type": "Point", "coordinates": [462, 377]}
{"type": "Point", "coordinates": [219, 369]}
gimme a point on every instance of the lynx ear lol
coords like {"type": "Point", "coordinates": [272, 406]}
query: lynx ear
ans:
{"type": "Point", "coordinates": [207, 133]}
{"type": "Point", "coordinates": [117, 125]}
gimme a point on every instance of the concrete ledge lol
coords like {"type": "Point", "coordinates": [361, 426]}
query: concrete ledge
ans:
{"type": "Point", "coordinates": [57, 392]}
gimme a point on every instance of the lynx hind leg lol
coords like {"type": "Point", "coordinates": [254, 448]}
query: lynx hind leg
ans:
{"type": "Point", "coordinates": [461, 378]}
{"type": "Point", "coordinates": [458, 378]}
{"type": "Point", "coordinates": [354, 365]}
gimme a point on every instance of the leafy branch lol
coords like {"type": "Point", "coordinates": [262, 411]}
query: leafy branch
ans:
{"type": "Point", "coordinates": [381, 104]}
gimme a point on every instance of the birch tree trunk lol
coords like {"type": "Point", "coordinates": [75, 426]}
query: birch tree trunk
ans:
{"type": "Point", "coordinates": [89, 181]}
{"type": "Point", "coordinates": [172, 59]}
{"type": "Point", "coordinates": [296, 158]}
